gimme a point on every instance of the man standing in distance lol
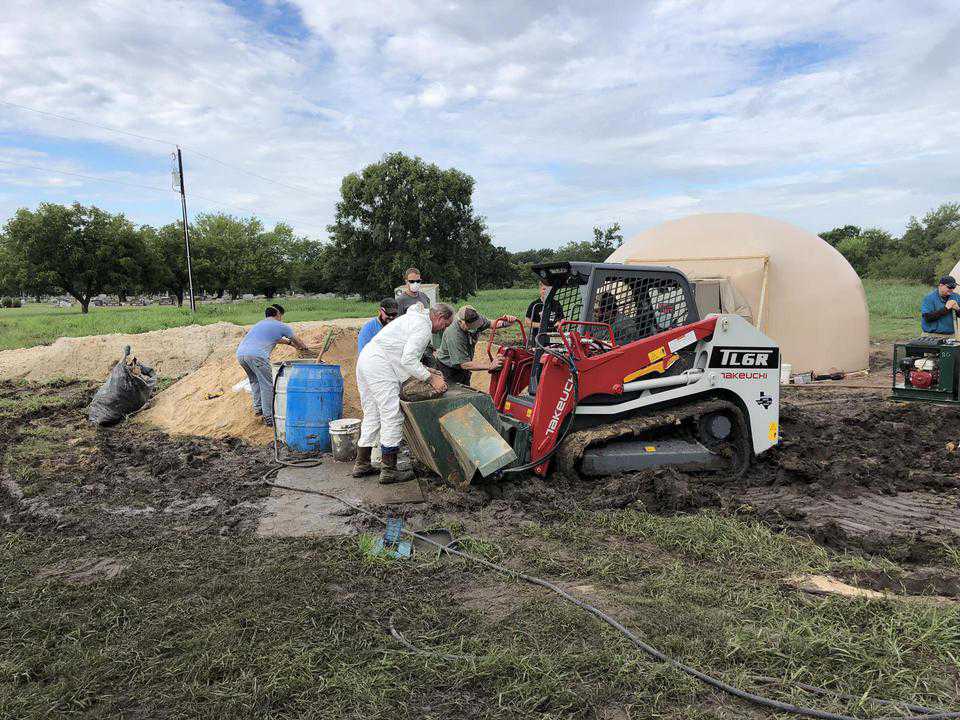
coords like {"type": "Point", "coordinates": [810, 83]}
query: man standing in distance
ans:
{"type": "Point", "coordinates": [253, 354]}
{"type": "Point", "coordinates": [537, 318]}
{"type": "Point", "coordinates": [412, 294]}
{"type": "Point", "coordinates": [387, 312]}
{"type": "Point", "coordinates": [391, 358]}
{"type": "Point", "coordinates": [939, 308]}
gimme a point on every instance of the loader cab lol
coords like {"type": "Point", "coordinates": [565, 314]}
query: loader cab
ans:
{"type": "Point", "coordinates": [634, 300]}
{"type": "Point", "coordinates": [629, 302]}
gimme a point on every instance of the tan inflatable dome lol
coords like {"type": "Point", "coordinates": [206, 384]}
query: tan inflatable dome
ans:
{"type": "Point", "coordinates": [786, 281]}
{"type": "Point", "coordinates": [955, 271]}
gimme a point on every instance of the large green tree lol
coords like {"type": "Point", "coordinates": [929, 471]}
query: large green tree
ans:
{"type": "Point", "coordinates": [83, 250]}
{"type": "Point", "coordinates": [169, 266]}
{"type": "Point", "coordinates": [926, 241]}
{"type": "Point", "coordinates": [605, 241]}
{"type": "Point", "coordinates": [271, 256]}
{"type": "Point", "coordinates": [230, 246]}
{"type": "Point", "coordinates": [312, 268]}
{"type": "Point", "coordinates": [839, 234]}
{"type": "Point", "coordinates": [403, 212]}
{"type": "Point", "coordinates": [18, 276]}
{"type": "Point", "coordinates": [863, 250]}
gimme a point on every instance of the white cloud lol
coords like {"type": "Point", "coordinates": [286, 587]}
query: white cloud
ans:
{"type": "Point", "coordinates": [823, 112]}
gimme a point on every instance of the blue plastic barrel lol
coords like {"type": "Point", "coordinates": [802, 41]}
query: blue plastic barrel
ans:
{"type": "Point", "coordinates": [309, 396]}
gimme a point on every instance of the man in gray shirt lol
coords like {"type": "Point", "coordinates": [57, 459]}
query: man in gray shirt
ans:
{"type": "Point", "coordinates": [412, 294]}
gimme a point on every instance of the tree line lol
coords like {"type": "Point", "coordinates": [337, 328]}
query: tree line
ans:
{"type": "Point", "coordinates": [928, 248]}
{"type": "Point", "coordinates": [396, 213]}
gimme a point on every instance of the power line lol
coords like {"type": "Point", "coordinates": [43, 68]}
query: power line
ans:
{"type": "Point", "coordinates": [157, 189]}
{"type": "Point", "coordinates": [248, 172]}
{"type": "Point", "coordinates": [255, 212]}
{"type": "Point", "coordinates": [86, 122]}
{"type": "Point", "coordinates": [87, 177]}
{"type": "Point", "coordinates": [157, 140]}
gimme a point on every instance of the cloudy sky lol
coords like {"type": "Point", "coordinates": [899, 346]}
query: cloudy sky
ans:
{"type": "Point", "coordinates": [568, 115]}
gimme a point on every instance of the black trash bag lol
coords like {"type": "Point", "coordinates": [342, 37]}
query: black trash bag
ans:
{"type": "Point", "coordinates": [126, 390]}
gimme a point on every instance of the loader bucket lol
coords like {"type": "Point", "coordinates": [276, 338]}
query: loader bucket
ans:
{"type": "Point", "coordinates": [426, 439]}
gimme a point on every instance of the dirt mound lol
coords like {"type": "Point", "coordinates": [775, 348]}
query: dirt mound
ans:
{"type": "Point", "coordinates": [205, 403]}
{"type": "Point", "coordinates": [172, 353]}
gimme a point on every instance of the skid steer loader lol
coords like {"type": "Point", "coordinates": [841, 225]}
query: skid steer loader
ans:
{"type": "Point", "coordinates": [624, 375]}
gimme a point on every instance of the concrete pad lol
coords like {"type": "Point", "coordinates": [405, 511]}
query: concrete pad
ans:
{"type": "Point", "coordinates": [287, 513]}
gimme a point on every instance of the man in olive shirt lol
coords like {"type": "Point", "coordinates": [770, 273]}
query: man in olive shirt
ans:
{"type": "Point", "coordinates": [455, 356]}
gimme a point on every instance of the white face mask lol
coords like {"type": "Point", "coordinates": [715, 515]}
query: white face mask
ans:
{"type": "Point", "coordinates": [415, 285]}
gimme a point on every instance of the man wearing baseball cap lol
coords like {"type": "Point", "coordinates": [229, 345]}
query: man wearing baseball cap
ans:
{"type": "Point", "coordinates": [455, 355]}
{"type": "Point", "coordinates": [939, 308]}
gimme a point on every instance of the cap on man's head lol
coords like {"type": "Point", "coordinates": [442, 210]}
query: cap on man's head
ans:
{"type": "Point", "coordinates": [471, 318]}
{"type": "Point", "coordinates": [948, 281]}
{"type": "Point", "coordinates": [390, 307]}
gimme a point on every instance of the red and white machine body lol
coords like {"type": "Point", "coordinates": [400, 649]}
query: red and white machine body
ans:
{"type": "Point", "coordinates": [582, 369]}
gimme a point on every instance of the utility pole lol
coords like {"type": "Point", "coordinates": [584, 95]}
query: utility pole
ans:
{"type": "Point", "coordinates": [186, 231]}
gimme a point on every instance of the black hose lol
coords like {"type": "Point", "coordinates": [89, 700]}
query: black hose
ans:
{"type": "Point", "coordinates": [763, 679]}
{"type": "Point", "coordinates": [614, 623]}
{"type": "Point", "coordinates": [567, 424]}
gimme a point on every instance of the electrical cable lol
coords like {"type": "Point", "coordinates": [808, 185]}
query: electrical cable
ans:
{"type": "Point", "coordinates": [614, 623]}
{"type": "Point", "coordinates": [240, 208]}
{"type": "Point", "coordinates": [399, 637]}
{"type": "Point", "coordinates": [156, 140]}
{"type": "Point", "coordinates": [248, 172]}
{"type": "Point", "coordinates": [87, 123]}
{"type": "Point", "coordinates": [86, 177]}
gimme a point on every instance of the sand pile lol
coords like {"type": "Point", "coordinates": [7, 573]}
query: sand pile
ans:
{"type": "Point", "coordinates": [205, 403]}
{"type": "Point", "coordinates": [172, 353]}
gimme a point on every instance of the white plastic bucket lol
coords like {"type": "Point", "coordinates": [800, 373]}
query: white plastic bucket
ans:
{"type": "Point", "coordinates": [344, 435]}
{"type": "Point", "coordinates": [786, 370]}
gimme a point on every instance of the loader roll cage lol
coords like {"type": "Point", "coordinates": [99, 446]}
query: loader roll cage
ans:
{"type": "Point", "coordinates": [592, 308]}
{"type": "Point", "coordinates": [614, 304]}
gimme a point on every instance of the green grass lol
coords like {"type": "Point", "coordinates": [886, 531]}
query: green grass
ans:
{"type": "Point", "coordinates": [894, 314]}
{"type": "Point", "coordinates": [247, 627]}
{"type": "Point", "coordinates": [894, 308]}
{"type": "Point", "coordinates": [42, 324]}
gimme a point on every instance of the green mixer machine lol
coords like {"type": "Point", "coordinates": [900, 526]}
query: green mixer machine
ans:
{"type": "Point", "coordinates": [926, 369]}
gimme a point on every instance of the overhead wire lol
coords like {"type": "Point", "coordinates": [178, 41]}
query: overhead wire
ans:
{"type": "Point", "coordinates": [57, 171]}
{"type": "Point", "coordinates": [87, 123]}
{"type": "Point", "coordinates": [170, 143]}
{"type": "Point", "coordinates": [248, 172]}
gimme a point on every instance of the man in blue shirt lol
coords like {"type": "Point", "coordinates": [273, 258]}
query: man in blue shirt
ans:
{"type": "Point", "coordinates": [253, 354]}
{"type": "Point", "coordinates": [939, 307]}
{"type": "Point", "coordinates": [388, 311]}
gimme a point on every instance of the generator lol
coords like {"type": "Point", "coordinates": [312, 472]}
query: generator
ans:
{"type": "Point", "coordinates": [926, 369]}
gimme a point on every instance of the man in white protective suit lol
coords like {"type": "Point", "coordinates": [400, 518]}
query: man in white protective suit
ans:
{"type": "Point", "coordinates": [390, 358]}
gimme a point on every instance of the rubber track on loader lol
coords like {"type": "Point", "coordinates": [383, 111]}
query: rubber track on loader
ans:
{"type": "Point", "coordinates": [579, 441]}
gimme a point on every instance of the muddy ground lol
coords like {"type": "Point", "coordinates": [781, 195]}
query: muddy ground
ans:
{"type": "Point", "coordinates": [142, 546]}
{"type": "Point", "coordinates": [61, 474]}
{"type": "Point", "coordinates": [854, 471]}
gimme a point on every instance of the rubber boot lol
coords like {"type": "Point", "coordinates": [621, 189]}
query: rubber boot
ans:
{"type": "Point", "coordinates": [389, 474]}
{"type": "Point", "coordinates": [362, 467]}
